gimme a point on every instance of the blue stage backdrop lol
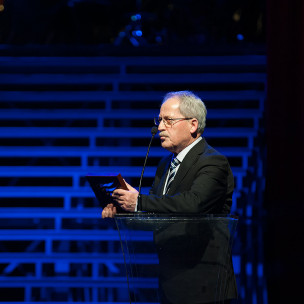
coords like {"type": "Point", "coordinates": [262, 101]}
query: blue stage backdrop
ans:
{"type": "Point", "coordinates": [62, 118]}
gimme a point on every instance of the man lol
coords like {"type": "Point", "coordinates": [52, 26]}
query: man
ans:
{"type": "Point", "coordinates": [203, 181]}
{"type": "Point", "coordinates": [196, 179]}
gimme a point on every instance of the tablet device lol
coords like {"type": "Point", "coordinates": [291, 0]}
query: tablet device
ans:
{"type": "Point", "coordinates": [104, 185]}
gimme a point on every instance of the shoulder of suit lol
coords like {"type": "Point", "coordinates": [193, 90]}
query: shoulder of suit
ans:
{"type": "Point", "coordinates": [208, 153]}
{"type": "Point", "coordinates": [204, 148]}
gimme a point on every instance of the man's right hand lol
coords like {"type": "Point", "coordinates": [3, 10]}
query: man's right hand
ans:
{"type": "Point", "coordinates": [108, 211]}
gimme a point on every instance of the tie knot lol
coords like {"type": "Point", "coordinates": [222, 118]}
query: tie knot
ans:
{"type": "Point", "coordinates": [174, 163]}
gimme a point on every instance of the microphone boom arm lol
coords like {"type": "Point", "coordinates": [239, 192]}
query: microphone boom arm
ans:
{"type": "Point", "coordinates": [153, 131]}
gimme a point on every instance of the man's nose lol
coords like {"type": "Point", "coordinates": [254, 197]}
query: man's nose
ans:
{"type": "Point", "coordinates": [161, 126]}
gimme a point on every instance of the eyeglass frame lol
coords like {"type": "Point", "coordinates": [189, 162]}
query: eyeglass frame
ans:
{"type": "Point", "coordinates": [158, 120]}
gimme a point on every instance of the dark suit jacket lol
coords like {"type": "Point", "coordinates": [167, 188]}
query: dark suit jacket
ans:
{"type": "Point", "coordinates": [189, 253]}
{"type": "Point", "coordinates": [203, 184]}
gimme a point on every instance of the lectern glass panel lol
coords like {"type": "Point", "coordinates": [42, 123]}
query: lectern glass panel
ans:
{"type": "Point", "coordinates": [177, 258]}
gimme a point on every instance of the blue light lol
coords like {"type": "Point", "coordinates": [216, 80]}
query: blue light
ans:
{"type": "Point", "coordinates": [158, 39]}
{"type": "Point", "coordinates": [134, 41]}
{"type": "Point", "coordinates": [239, 37]}
{"type": "Point", "coordinates": [249, 211]}
{"type": "Point", "coordinates": [137, 33]}
{"type": "Point", "coordinates": [249, 269]}
{"type": "Point", "coordinates": [236, 259]}
{"type": "Point", "coordinates": [136, 17]}
{"type": "Point", "coordinates": [254, 298]}
{"type": "Point", "coordinates": [260, 270]}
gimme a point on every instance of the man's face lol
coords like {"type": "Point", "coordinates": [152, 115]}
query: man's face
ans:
{"type": "Point", "coordinates": [178, 136]}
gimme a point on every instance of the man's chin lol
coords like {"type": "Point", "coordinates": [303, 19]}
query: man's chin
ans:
{"type": "Point", "coordinates": [166, 146]}
{"type": "Point", "coordinates": [163, 144]}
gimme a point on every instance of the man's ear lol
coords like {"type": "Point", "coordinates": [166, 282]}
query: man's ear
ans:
{"type": "Point", "coordinates": [194, 126]}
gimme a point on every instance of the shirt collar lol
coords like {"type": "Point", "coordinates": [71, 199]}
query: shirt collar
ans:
{"type": "Point", "coordinates": [181, 155]}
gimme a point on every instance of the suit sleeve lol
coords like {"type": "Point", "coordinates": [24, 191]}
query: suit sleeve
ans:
{"type": "Point", "coordinates": [203, 190]}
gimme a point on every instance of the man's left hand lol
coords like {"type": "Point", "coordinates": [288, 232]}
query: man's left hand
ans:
{"type": "Point", "coordinates": [127, 199]}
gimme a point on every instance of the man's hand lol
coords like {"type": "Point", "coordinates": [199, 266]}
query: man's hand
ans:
{"type": "Point", "coordinates": [108, 211]}
{"type": "Point", "coordinates": [126, 199]}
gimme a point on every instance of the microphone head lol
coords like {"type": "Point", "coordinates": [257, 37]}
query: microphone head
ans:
{"type": "Point", "coordinates": [154, 130]}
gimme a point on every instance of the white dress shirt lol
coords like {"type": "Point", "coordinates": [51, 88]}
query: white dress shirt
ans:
{"type": "Point", "coordinates": [180, 156]}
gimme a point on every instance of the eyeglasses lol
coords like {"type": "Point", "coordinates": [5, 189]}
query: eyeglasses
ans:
{"type": "Point", "coordinates": [168, 122]}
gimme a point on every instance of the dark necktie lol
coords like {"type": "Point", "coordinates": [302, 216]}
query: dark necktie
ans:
{"type": "Point", "coordinates": [174, 163]}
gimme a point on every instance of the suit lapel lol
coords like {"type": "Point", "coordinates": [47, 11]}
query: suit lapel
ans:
{"type": "Point", "coordinates": [160, 189]}
{"type": "Point", "coordinates": [186, 165]}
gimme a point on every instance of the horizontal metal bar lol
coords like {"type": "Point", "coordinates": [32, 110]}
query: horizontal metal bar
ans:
{"type": "Point", "coordinates": [49, 171]}
{"type": "Point", "coordinates": [104, 151]}
{"type": "Point", "coordinates": [25, 114]}
{"type": "Point", "coordinates": [84, 258]}
{"type": "Point", "coordinates": [77, 282]}
{"type": "Point", "coordinates": [97, 79]}
{"type": "Point", "coordinates": [130, 171]}
{"type": "Point", "coordinates": [65, 192]}
{"type": "Point", "coordinates": [121, 132]}
{"type": "Point", "coordinates": [34, 212]}
{"type": "Point", "coordinates": [75, 96]}
{"type": "Point", "coordinates": [69, 235]}
{"type": "Point", "coordinates": [250, 60]}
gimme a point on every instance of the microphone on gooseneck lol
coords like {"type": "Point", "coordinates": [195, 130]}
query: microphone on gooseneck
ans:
{"type": "Point", "coordinates": [154, 130]}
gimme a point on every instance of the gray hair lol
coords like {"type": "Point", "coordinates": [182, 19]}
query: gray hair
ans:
{"type": "Point", "coordinates": [190, 105]}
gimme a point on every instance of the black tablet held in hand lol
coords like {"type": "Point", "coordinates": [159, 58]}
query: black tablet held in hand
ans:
{"type": "Point", "coordinates": [104, 185]}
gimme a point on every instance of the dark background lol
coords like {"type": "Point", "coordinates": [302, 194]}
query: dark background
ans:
{"type": "Point", "coordinates": [169, 28]}
{"type": "Point", "coordinates": [175, 26]}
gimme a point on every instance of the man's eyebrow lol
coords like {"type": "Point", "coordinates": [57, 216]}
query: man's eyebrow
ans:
{"type": "Point", "coordinates": [166, 116]}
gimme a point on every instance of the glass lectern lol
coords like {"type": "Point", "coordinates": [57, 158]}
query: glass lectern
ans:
{"type": "Point", "coordinates": [177, 258]}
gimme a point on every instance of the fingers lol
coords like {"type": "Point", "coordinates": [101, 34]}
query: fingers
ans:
{"type": "Point", "coordinates": [108, 211]}
{"type": "Point", "coordinates": [118, 195]}
{"type": "Point", "coordinates": [126, 199]}
{"type": "Point", "coordinates": [117, 192]}
{"type": "Point", "coordinates": [105, 213]}
{"type": "Point", "coordinates": [130, 207]}
{"type": "Point", "coordinates": [122, 191]}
